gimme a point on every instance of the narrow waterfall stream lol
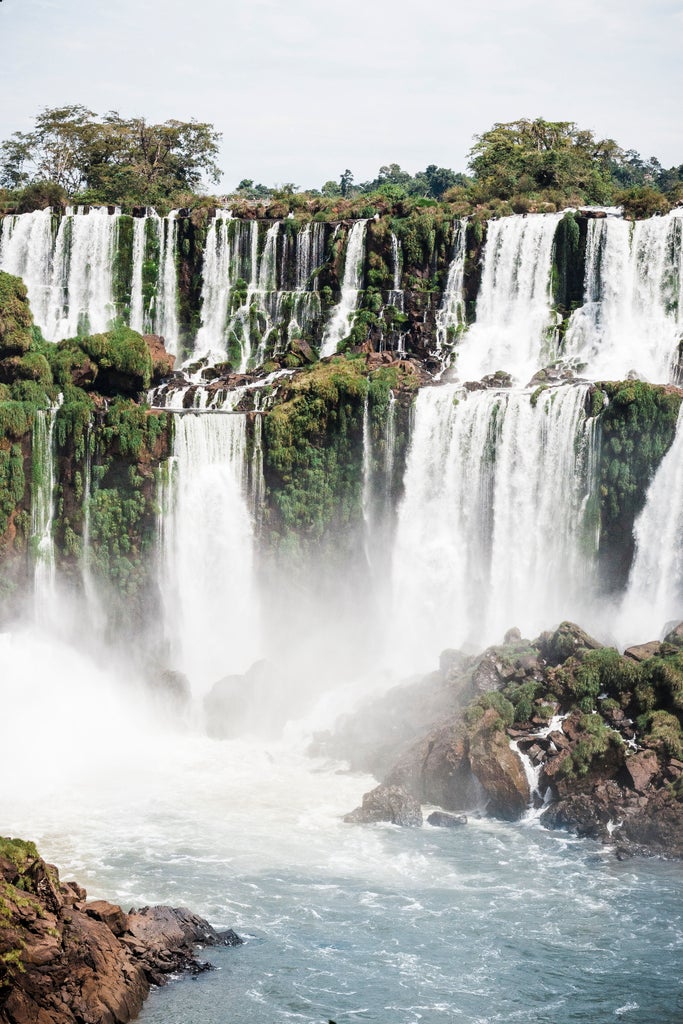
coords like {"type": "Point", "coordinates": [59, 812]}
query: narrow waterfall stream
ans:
{"type": "Point", "coordinates": [341, 319]}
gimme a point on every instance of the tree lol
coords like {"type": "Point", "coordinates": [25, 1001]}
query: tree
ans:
{"type": "Point", "coordinates": [345, 182]}
{"type": "Point", "coordinates": [528, 157]}
{"type": "Point", "coordinates": [111, 159]}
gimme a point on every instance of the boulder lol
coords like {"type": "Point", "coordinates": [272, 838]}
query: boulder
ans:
{"type": "Point", "coordinates": [441, 819]}
{"type": "Point", "coordinates": [567, 640]}
{"type": "Point", "coordinates": [641, 652]}
{"type": "Point", "coordinates": [436, 769]}
{"type": "Point", "coordinates": [498, 768]}
{"type": "Point", "coordinates": [387, 803]}
{"type": "Point", "coordinates": [642, 768]}
{"type": "Point", "coordinates": [162, 361]}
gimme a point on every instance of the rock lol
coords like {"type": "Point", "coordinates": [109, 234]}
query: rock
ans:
{"type": "Point", "coordinates": [642, 768]}
{"type": "Point", "coordinates": [567, 640]}
{"type": "Point", "coordinates": [641, 652]}
{"type": "Point", "coordinates": [441, 819]}
{"type": "Point", "coordinates": [513, 636]}
{"type": "Point", "coordinates": [300, 347]}
{"type": "Point", "coordinates": [387, 803]}
{"type": "Point", "coordinates": [498, 768]}
{"type": "Point", "coordinates": [486, 675]}
{"type": "Point", "coordinates": [64, 961]}
{"type": "Point", "coordinates": [675, 635]}
{"type": "Point", "coordinates": [162, 361]}
{"type": "Point", "coordinates": [436, 770]}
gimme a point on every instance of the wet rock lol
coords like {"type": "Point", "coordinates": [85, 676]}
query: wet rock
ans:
{"type": "Point", "coordinates": [513, 636]}
{"type": "Point", "coordinates": [64, 961]}
{"type": "Point", "coordinates": [487, 676]}
{"type": "Point", "coordinates": [441, 819]}
{"type": "Point", "coordinates": [641, 652]}
{"type": "Point", "coordinates": [162, 361]}
{"type": "Point", "coordinates": [675, 635]}
{"type": "Point", "coordinates": [387, 803]}
{"type": "Point", "coordinates": [498, 768]}
{"type": "Point", "coordinates": [642, 768]}
{"type": "Point", "coordinates": [567, 640]}
{"type": "Point", "coordinates": [436, 770]}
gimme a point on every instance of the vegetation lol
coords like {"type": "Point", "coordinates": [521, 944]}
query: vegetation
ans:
{"type": "Point", "coordinates": [518, 166]}
{"type": "Point", "coordinates": [107, 160]}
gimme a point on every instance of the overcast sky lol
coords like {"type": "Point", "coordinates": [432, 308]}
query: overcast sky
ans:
{"type": "Point", "coordinates": [301, 90]}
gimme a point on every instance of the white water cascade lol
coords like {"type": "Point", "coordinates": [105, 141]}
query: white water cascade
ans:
{"type": "Point", "coordinates": [514, 329]}
{"type": "Point", "coordinates": [212, 612]}
{"type": "Point", "coordinates": [69, 277]}
{"type": "Point", "coordinates": [450, 317]}
{"type": "Point", "coordinates": [42, 513]}
{"type": "Point", "coordinates": [166, 312]}
{"type": "Point", "coordinates": [220, 262]}
{"type": "Point", "coordinates": [141, 317]}
{"type": "Point", "coordinates": [632, 316]}
{"type": "Point", "coordinates": [654, 594]}
{"type": "Point", "coordinates": [494, 528]}
{"type": "Point", "coordinates": [342, 315]}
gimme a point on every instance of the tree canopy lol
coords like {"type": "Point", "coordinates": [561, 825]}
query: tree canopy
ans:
{"type": "Point", "coordinates": [111, 159]}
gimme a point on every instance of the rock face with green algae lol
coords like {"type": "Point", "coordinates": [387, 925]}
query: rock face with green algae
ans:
{"type": "Point", "coordinates": [603, 731]}
{"type": "Point", "coordinates": [64, 960]}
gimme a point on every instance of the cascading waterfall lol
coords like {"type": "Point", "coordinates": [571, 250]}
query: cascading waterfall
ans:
{"type": "Point", "coordinates": [217, 281]}
{"type": "Point", "coordinates": [166, 311]}
{"type": "Point", "coordinates": [450, 318]}
{"type": "Point", "coordinates": [482, 467]}
{"type": "Point", "coordinates": [340, 321]}
{"type": "Point", "coordinates": [632, 316]}
{"type": "Point", "coordinates": [212, 612]}
{"type": "Point", "coordinates": [26, 246]}
{"type": "Point", "coordinates": [69, 278]}
{"type": "Point", "coordinates": [141, 318]}
{"type": "Point", "coordinates": [514, 329]}
{"type": "Point", "coordinates": [654, 594]}
{"type": "Point", "coordinates": [42, 512]}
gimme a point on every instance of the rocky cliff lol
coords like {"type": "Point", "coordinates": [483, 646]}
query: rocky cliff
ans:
{"type": "Point", "coordinates": [66, 960]}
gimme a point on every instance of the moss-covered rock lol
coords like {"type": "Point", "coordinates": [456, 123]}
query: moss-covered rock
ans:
{"type": "Point", "coordinates": [16, 321]}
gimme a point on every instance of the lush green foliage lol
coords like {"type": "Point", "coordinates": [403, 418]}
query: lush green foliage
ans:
{"type": "Point", "coordinates": [15, 316]}
{"type": "Point", "coordinates": [109, 159]}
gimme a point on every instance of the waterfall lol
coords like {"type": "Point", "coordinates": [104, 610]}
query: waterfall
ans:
{"type": "Point", "coordinates": [138, 319]}
{"type": "Point", "coordinates": [42, 512]}
{"type": "Point", "coordinates": [166, 316]}
{"type": "Point", "coordinates": [340, 320]}
{"type": "Point", "coordinates": [450, 318]}
{"type": "Point", "coordinates": [211, 609]}
{"type": "Point", "coordinates": [632, 315]}
{"type": "Point", "coordinates": [26, 243]}
{"type": "Point", "coordinates": [514, 324]}
{"type": "Point", "coordinates": [217, 281]}
{"type": "Point", "coordinates": [493, 530]}
{"type": "Point", "coordinates": [654, 594]}
{"type": "Point", "coordinates": [69, 279]}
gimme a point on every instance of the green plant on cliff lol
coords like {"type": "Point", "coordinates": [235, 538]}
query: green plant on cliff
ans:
{"type": "Point", "coordinates": [313, 449]}
{"type": "Point", "coordinates": [121, 352]}
{"type": "Point", "coordinates": [16, 321]}
{"type": "Point", "coordinates": [637, 426]}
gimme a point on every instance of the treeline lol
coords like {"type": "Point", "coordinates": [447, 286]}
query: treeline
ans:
{"type": "Point", "coordinates": [71, 155]}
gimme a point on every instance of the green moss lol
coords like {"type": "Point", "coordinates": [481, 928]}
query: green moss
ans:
{"type": "Point", "coordinates": [638, 426]}
{"type": "Point", "coordinates": [121, 352]}
{"type": "Point", "coordinates": [16, 321]}
{"type": "Point", "coordinates": [662, 731]}
{"type": "Point", "coordinates": [18, 851]}
{"type": "Point", "coordinates": [313, 450]}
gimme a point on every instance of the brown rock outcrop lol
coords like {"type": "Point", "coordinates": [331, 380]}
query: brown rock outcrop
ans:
{"type": "Point", "coordinates": [66, 961]}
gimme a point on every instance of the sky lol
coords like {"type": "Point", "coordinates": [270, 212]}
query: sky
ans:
{"type": "Point", "coordinates": [302, 90]}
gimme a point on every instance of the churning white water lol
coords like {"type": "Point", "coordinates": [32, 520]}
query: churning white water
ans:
{"type": "Point", "coordinates": [493, 529]}
{"type": "Point", "coordinates": [342, 315]}
{"type": "Point", "coordinates": [493, 923]}
{"type": "Point", "coordinates": [514, 328]}
{"type": "Point", "coordinates": [632, 316]}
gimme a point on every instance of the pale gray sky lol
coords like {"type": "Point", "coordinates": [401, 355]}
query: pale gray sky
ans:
{"type": "Point", "coordinates": [302, 90]}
